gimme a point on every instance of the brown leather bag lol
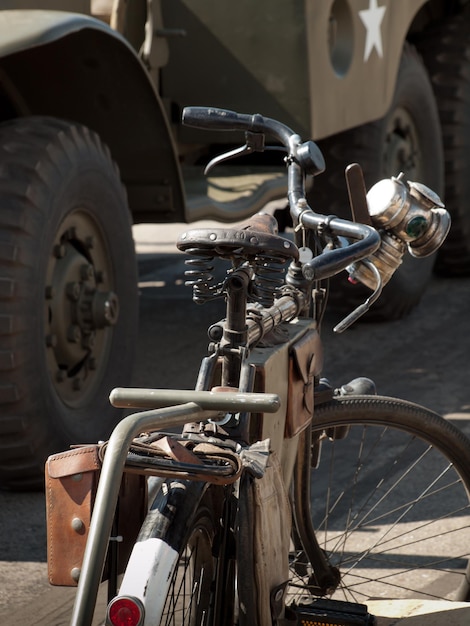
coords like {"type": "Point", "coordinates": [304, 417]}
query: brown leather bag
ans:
{"type": "Point", "coordinates": [305, 362]}
{"type": "Point", "coordinates": [71, 484]}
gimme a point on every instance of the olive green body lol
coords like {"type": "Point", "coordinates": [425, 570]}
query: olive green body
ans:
{"type": "Point", "coordinates": [320, 66]}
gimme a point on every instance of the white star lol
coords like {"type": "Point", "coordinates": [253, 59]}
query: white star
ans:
{"type": "Point", "coordinates": [372, 19]}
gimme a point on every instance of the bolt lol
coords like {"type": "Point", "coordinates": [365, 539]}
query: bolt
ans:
{"type": "Point", "coordinates": [215, 332]}
{"type": "Point", "coordinates": [89, 341]}
{"type": "Point", "coordinates": [75, 573]}
{"type": "Point", "coordinates": [60, 376]}
{"type": "Point", "coordinates": [51, 340]}
{"type": "Point", "coordinates": [74, 334]}
{"type": "Point", "coordinates": [308, 272]}
{"type": "Point", "coordinates": [78, 525]}
{"type": "Point", "coordinates": [100, 276]}
{"type": "Point", "coordinates": [86, 271]}
{"type": "Point", "coordinates": [73, 291]}
{"type": "Point", "coordinates": [111, 309]}
{"type": "Point", "coordinates": [71, 233]}
{"type": "Point", "coordinates": [278, 595]}
{"type": "Point", "coordinates": [59, 251]}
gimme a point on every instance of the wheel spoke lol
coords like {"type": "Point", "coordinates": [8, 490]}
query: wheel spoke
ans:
{"type": "Point", "coordinates": [393, 501]}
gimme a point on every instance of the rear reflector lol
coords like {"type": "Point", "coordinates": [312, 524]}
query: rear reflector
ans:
{"type": "Point", "coordinates": [125, 611]}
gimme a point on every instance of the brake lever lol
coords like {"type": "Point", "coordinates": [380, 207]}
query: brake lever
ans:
{"type": "Point", "coordinates": [365, 306]}
{"type": "Point", "coordinates": [254, 142]}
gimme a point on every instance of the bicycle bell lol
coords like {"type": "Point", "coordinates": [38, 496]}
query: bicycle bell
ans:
{"type": "Point", "coordinates": [409, 216]}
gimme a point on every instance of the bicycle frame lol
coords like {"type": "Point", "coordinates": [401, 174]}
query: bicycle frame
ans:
{"type": "Point", "coordinates": [265, 409]}
{"type": "Point", "coordinates": [250, 404]}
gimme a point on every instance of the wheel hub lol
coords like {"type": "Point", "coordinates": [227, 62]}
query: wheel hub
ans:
{"type": "Point", "coordinates": [81, 308]}
{"type": "Point", "coordinates": [401, 152]}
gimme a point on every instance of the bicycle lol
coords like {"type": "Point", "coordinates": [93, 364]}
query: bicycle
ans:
{"type": "Point", "coordinates": [247, 522]}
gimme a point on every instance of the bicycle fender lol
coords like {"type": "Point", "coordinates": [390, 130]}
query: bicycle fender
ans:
{"type": "Point", "coordinates": [148, 576]}
{"type": "Point", "coordinates": [155, 556]}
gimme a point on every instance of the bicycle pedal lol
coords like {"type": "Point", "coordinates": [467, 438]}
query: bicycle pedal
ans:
{"type": "Point", "coordinates": [330, 613]}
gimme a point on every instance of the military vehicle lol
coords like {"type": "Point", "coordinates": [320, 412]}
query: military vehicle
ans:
{"type": "Point", "coordinates": [91, 141]}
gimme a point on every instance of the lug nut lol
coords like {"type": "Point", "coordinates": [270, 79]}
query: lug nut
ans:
{"type": "Point", "coordinates": [60, 376]}
{"type": "Point", "coordinates": [73, 291]}
{"type": "Point", "coordinates": [89, 242]}
{"type": "Point", "coordinates": [74, 334]}
{"type": "Point", "coordinates": [59, 251]}
{"type": "Point", "coordinates": [51, 340]}
{"type": "Point", "coordinates": [86, 271]}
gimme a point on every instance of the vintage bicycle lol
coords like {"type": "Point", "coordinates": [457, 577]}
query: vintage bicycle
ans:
{"type": "Point", "coordinates": [280, 500]}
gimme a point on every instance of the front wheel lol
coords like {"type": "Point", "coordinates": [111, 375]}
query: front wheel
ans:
{"type": "Point", "coordinates": [390, 499]}
{"type": "Point", "coordinates": [68, 292]}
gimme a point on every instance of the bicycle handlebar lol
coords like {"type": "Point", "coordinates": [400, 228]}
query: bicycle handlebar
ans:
{"type": "Point", "coordinates": [303, 158]}
{"type": "Point", "coordinates": [223, 119]}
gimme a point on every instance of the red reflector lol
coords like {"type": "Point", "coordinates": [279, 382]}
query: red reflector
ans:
{"type": "Point", "coordinates": [124, 611]}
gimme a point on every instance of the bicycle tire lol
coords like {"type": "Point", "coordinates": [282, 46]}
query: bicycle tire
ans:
{"type": "Point", "coordinates": [395, 518]}
{"type": "Point", "coordinates": [172, 568]}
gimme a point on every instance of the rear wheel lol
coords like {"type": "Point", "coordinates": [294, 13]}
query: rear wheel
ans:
{"type": "Point", "coordinates": [390, 500]}
{"type": "Point", "coordinates": [68, 293]}
{"type": "Point", "coordinates": [179, 545]}
{"type": "Point", "coordinates": [188, 599]}
{"type": "Point", "coordinates": [407, 139]}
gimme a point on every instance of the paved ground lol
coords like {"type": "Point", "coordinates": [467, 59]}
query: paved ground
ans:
{"type": "Point", "coordinates": [425, 358]}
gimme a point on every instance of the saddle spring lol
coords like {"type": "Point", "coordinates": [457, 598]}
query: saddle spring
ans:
{"type": "Point", "coordinates": [200, 275]}
{"type": "Point", "coordinates": [268, 277]}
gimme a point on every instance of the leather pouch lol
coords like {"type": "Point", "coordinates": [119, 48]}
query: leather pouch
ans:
{"type": "Point", "coordinates": [305, 360]}
{"type": "Point", "coordinates": [71, 484]}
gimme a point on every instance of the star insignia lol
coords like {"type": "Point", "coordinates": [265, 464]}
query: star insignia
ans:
{"type": "Point", "coordinates": [372, 20]}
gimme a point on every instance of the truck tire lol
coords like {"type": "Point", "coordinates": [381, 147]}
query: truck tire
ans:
{"type": "Point", "coordinates": [451, 81]}
{"type": "Point", "coordinates": [407, 139]}
{"type": "Point", "coordinates": [68, 293]}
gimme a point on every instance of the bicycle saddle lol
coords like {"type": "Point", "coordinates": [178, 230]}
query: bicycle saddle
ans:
{"type": "Point", "coordinates": [252, 238]}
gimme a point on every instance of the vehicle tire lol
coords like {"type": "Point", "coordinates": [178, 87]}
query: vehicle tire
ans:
{"type": "Point", "coordinates": [68, 293]}
{"type": "Point", "coordinates": [390, 499]}
{"type": "Point", "coordinates": [179, 533]}
{"type": "Point", "coordinates": [451, 82]}
{"type": "Point", "coordinates": [407, 139]}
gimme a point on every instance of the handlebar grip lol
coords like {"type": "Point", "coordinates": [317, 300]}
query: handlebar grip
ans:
{"type": "Point", "coordinates": [217, 119]}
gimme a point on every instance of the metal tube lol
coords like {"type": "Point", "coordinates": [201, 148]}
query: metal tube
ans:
{"type": "Point", "coordinates": [326, 576]}
{"type": "Point", "coordinates": [227, 402]}
{"type": "Point", "coordinates": [284, 309]}
{"type": "Point", "coordinates": [332, 262]}
{"type": "Point", "coordinates": [234, 334]}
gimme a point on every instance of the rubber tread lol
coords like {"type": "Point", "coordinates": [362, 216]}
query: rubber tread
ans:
{"type": "Point", "coordinates": [424, 423]}
{"type": "Point", "coordinates": [32, 162]}
{"type": "Point", "coordinates": [446, 52]}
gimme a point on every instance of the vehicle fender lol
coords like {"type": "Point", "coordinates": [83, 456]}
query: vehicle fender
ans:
{"type": "Point", "coordinates": [77, 68]}
{"type": "Point", "coordinates": [354, 80]}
